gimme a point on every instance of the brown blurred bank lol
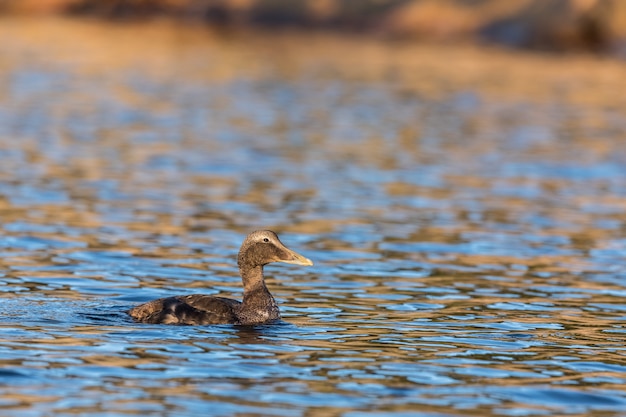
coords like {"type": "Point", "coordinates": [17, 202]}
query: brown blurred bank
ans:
{"type": "Point", "coordinates": [593, 25]}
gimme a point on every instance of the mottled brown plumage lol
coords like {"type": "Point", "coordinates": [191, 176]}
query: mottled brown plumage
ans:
{"type": "Point", "coordinates": [258, 306]}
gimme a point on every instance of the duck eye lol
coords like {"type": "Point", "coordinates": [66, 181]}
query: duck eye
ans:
{"type": "Point", "coordinates": [266, 240]}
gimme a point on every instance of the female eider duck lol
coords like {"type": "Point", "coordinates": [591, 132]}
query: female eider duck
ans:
{"type": "Point", "coordinates": [258, 305]}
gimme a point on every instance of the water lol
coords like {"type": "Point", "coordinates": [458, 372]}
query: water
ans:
{"type": "Point", "coordinates": [464, 209]}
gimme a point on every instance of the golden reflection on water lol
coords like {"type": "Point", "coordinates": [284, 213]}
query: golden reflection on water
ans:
{"type": "Point", "coordinates": [455, 245]}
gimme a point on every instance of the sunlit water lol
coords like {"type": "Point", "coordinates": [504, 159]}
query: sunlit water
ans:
{"type": "Point", "coordinates": [465, 211]}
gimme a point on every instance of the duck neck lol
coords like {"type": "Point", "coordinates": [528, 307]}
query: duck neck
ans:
{"type": "Point", "coordinates": [257, 300]}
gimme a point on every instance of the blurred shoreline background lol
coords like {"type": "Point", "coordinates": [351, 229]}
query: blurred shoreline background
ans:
{"type": "Point", "coordinates": [597, 26]}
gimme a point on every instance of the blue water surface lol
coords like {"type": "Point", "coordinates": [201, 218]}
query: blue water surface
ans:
{"type": "Point", "coordinates": [468, 246]}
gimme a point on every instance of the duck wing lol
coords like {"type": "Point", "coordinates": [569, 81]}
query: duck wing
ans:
{"type": "Point", "coordinates": [195, 309]}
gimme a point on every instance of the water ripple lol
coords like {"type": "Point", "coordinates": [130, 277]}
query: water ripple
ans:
{"type": "Point", "coordinates": [466, 237]}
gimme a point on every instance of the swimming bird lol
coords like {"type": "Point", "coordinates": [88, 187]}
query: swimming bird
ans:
{"type": "Point", "coordinates": [258, 306]}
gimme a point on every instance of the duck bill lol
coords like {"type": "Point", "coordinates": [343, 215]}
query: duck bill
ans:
{"type": "Point", "coordinates": [291, 257]}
